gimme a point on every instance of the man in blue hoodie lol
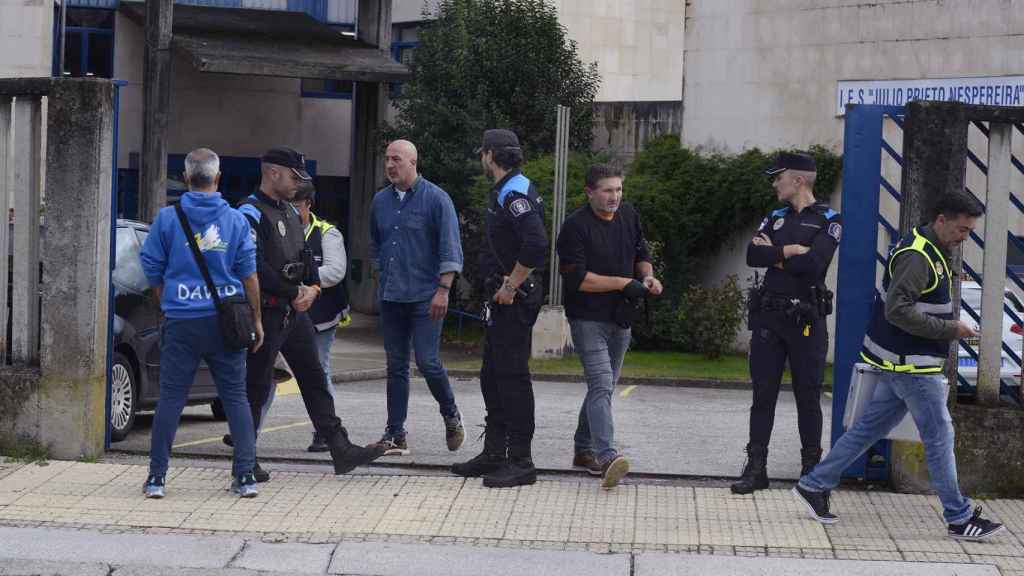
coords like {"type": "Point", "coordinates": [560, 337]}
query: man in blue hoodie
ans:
{"type": "Point", "coordinates": [191, 330]}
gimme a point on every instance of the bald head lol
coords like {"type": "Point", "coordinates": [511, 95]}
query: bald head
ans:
{"type": "Point", "coordinates": [400, 164]}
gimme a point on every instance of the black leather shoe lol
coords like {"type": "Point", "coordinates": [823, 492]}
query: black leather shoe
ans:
{"type": "Point", "coordinates": [319, 444]}
{"type": "Point", "coordinates": [260, 474]}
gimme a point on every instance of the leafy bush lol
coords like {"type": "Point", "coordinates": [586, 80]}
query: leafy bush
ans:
{"type": "Point", "coordinates": [491, 64]}
{"type": "Point", "coordinates": [708, 318]}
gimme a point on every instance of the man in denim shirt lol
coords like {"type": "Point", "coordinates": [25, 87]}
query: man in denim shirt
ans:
{"type": "Point", "coordinates": [414, 244]}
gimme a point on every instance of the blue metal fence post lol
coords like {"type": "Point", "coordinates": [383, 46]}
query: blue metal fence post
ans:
{"type": "Point", "coordinates": [855, 283]}
{"type": "Point", "coordinates": [113, 258]}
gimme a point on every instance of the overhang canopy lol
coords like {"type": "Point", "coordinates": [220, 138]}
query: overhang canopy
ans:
{"type": "Point", "coordinates": [271, 43]}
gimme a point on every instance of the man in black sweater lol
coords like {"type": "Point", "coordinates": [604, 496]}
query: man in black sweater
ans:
{"type": "Point", "coordinates": [607, 271]}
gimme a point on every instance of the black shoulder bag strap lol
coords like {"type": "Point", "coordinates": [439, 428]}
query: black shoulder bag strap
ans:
{"type": "Point", "coordinates": [200, 260]}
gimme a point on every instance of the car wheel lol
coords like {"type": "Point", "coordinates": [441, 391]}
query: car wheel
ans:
{"type": "Point", "coordinates": [218, 411]}
{"type": "Point", "coordinates": [124, 397]}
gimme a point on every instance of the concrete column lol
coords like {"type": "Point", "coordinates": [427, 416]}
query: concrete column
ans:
{"type": "Point", "coordinates": [71, 394]}
{"type": "Point", "coordinates": [156, 108]}
{"type": "Point", "coordinates": [934, 164]}
{"type": "Point", "coordinates": [5, 186]}
{"type": "Point", "coordinates": [369, 112]}
{"type": "Point", "coordinates": [27, 171]}
{"type": "Point", "coordinates": [997, 204]}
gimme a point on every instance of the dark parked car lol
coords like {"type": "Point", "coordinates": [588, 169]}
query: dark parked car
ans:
{"type": "Point", "coordinates": [135, 367]}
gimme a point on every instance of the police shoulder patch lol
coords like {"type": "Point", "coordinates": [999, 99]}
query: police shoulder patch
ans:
{"type": "Point", "coordinates": [835, 230]}
{"type": "Point", "coordinates": [779, 223]}
{"type": "Point", "coordinates": [519, 206]}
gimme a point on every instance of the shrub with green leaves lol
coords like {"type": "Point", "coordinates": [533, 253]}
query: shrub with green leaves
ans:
{"type": "Point", "coordinates": [708, 317]}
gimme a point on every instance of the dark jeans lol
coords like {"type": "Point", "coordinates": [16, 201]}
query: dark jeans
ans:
{"type": "Point", "coordinates": [505, 379]}
{"type": "Point", "coordinates": [775, 338]}
{"type": "Point", "coordinates": [293, 338]}
{"type": "Point", "coordinates": [183, 343]}
{"type": "Point", "coordinates": [405, 323]}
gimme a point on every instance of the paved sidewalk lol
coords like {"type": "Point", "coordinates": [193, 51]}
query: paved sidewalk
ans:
{"type": "Point", "coordinates": [637, 521]}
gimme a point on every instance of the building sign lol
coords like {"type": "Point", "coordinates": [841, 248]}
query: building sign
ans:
{"type": "Point", "coordinates": [991, 91]}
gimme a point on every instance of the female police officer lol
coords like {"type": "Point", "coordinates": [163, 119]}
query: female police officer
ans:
{"type": "Point", "coordinates": [787, 314]}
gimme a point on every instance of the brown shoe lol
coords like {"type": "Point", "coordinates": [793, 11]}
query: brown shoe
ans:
{"type": "Point", "coordinates": [585, 459]}
{"type": "Point", "coordinates": [613, 472]}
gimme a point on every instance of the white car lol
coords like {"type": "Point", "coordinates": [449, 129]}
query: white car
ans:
{"type": "Point", "coordinates": [1013, 335]}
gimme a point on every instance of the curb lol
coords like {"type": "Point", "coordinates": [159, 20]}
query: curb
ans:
{"type": "Point", "coordinates": [381, 373]}
{"type": "Point", "coordinates": [357, 375]}
{"type": "Point", "coordinates": [634, 381]}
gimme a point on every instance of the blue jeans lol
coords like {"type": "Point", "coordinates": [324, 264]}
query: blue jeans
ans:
{"type": "Point", "coordinates": [405, 323]}
{"type": "Point", "coordinates": [601, 347]}
{"type": "Point", "coordinates": [924, 396]}
{"type": "Point", "coordinates": [184, 342]}
{"type": "Point", "coordinates": [323, 349]}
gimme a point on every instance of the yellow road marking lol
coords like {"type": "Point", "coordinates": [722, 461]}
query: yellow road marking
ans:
{"type": "Point", "coordinates": [263, 431]}
{"type": "Point", "coordinates": [629, 390]}
{"type": "Point", "coordinates": [288, 387]}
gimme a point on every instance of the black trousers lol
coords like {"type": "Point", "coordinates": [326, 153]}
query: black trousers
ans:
{"type": "Point", "coordinates": [775, 338]}
{"type": "Point", "coordinates": [292, 335]}
{"type": "Point", "coordinates": [505, 380]}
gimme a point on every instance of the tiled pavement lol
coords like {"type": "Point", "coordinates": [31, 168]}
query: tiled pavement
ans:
{"type": "Point", "coordinates": [558, 514]}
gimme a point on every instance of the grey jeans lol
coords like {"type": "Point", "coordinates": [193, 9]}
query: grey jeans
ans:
{"type": "Point", "coordinates": [601, 347]}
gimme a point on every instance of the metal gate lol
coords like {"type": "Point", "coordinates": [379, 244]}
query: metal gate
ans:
{"type": "Point", "coordinates": [871, 200]}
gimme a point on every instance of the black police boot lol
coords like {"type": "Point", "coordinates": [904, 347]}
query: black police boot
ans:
{"type": "Point", "coordinates": [346, 455]}
{"type": "Point", "coordinates": [516, 472]}
{"type": "Point", "coordinates": [809, 458]}
{"type": "Point", "coordinates": [492, 458]}
{"type": "Point", "coordinates": [755, 473]}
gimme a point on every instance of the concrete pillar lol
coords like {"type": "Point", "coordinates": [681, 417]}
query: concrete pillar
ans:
{"type": "Point", "coordinates": [997, 204]}
{"type": "Point", "coordinates": [369, 113]}
{"type": "Point", "coordinates": [71, 416]}
{"type": "Point", "coordinates": [156, 108]}
{"type": "Point", "coordinates": [934, 164]}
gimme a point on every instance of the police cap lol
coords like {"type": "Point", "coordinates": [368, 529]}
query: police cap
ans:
{"type": "Point", "coordinates": [791, 161]}
{"type": "Point", "coordinates": [289, 158]}
{"type": "Point", "coordinates": [498, 139]}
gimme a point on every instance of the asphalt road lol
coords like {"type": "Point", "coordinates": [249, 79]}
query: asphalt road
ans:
{"type": "Point", "coordinates": [663, 430]}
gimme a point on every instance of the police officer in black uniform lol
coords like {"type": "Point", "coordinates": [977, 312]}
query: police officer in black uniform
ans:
{"type": "Point", "coordinates": [787, 312]}
{"type": "Point", "coordinates": [515, 244]}
{"type": "Point", "coordinates": [289, 285]}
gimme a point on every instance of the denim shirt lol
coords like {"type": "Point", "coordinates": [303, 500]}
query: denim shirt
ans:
{"type": "Point", "coordinates": [413, 241]}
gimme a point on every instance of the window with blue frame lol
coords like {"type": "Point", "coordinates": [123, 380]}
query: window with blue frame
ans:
{"type": "Point", "coordinates": [405, 40]}
{"type": "Point", "coordinates": [89, 43]}
{"type": "Point", "coordinates": [322, 88]}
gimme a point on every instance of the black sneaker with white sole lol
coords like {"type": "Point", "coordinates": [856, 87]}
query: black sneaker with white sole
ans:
{"type": "Point", "coordinates": [817, 504]}
{"type": "Point", "coordinates": [977, 528]}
